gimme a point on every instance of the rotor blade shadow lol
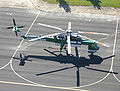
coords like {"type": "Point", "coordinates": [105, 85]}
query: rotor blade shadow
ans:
{"type": "Point", "coordinates": [81, 62]}
{"type": "Point", "coordinates": [51, 52]}
{"type": "Point", "coordinates": [100, 70]}
{"type": "Point", "coordinates": [108, 57]}
{"type": "Point", "coordinates": [55, 71]}
{"type": "Point", "coordinates": [66, 51]}
{"type": "Point", "coordinates": [78, 77]}
{"type": "Point", "coordinates": [25, 59]}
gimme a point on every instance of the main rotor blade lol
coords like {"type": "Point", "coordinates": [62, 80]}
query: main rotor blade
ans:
{"type": "Point", "coordinates": [44, 36]}
{"type": "Point", "coordinates": [69, 45]}
{"type": "Point", "coordinates": [94, 41]}
{"type": "Point", "coordinates": [14, 22]}
{"type": "Point", "coordinates": [92, 33]}
{"type": "Point", "coordinates": [45, 25]}
{"type": "Point", "coordinates": [69, 26]}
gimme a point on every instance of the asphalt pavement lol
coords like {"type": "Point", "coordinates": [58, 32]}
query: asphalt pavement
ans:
{"type": "Point", "coordinates": [43, 70]}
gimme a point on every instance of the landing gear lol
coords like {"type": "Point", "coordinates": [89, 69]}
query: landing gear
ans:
{"type": "Point", "coordinates": [22, 59]}
{"type": "Point", "coordinates": [60, 55]}
{"type": "Point", "coordinates": [61, 47]}
{"type": "Point", "coordinates": [92, 53]}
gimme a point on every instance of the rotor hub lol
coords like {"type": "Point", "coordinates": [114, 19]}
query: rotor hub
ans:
{"type": "Point", "coordinates": [68, 31]}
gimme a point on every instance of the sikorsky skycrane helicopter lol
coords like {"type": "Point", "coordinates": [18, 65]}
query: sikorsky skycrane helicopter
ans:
{"type": "Point", "coordinates": [65, 39]}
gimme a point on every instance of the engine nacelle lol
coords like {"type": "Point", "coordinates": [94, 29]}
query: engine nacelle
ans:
{"type": "Point", "coordinates": [92, 48]}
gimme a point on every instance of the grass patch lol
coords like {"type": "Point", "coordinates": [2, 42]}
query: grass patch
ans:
{"type": "Point", "coordinates": [105, 3]}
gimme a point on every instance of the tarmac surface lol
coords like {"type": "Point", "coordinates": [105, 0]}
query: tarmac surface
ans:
{"type": "Point", "coordinates": [43, 70]}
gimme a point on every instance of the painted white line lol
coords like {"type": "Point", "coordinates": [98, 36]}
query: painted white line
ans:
{"type": "Point", "coordinates": [93, 82]}
{"type": "Point", "coordinates": [36, 84]}
{"type": "Point", "coordinates": [51, 26]}
{"type": "Point", "coordinates": [32, 83]}
{"type": "Point", "coordinates": [116, 78]}
{"type": "Point", "coordinates": [18, 49]}
{"type": "Point", "coordinates": [114, 51]}
{"type": "Point", "coordinates": [5, 65]}
{"type": "Point", "coordinates": [114, 47]}
{"type": "Point", "coordinates": [111, 67]}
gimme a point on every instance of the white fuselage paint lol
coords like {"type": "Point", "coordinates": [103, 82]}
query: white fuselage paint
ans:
{"type": "Point", "coordinates": [72, 45]}
{"type": "Point", "coordinates": [92, 50]}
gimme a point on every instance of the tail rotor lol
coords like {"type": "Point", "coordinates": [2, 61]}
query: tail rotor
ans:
{"type": "Point", "coordinates": [15, 28]}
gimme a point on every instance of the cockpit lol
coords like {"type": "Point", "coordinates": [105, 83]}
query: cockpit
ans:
{"type": "Point", "coordinates": [73, 37]}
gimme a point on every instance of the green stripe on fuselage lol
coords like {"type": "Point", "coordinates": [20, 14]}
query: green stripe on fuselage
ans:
{"type": "Point", "coordinates": [60, 41]}
{"type": "Point", "coordinates": [51, 40]}
{"type": "Point", "coordinates": [55, 40]}
{"type": "Point", "coordinates": [87, 42]}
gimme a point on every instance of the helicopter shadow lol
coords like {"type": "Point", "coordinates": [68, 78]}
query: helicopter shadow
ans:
{"type": "Point", "coordinates": [77, 62]}
{"type": "Point", "coordinates": [64, 5]}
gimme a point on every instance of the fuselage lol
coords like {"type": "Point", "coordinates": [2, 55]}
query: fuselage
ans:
{"type": "Point", "coordinates": [75, 39]}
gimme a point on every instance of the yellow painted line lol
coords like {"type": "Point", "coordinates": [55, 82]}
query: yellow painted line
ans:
{"type": "Point", "coordinates": [25, 84]}
{"type": "Point", "coordinates": [32, 83]}
{"type": "Point", "coordinates": [93, 82]}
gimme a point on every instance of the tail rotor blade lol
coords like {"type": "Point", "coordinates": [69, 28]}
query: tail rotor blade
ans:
{"type": "Point", "coordinates": [9, 28]}
{"type": "Point", "coordinates": [14, 22]}
{"type": "Point", "coordinates": [16, 33]}
{"type": "Point", "coordinates": [21, 26]}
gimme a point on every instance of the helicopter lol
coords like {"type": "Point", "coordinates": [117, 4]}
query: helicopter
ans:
{"type": "Point", "coordinates": [66, 38]}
